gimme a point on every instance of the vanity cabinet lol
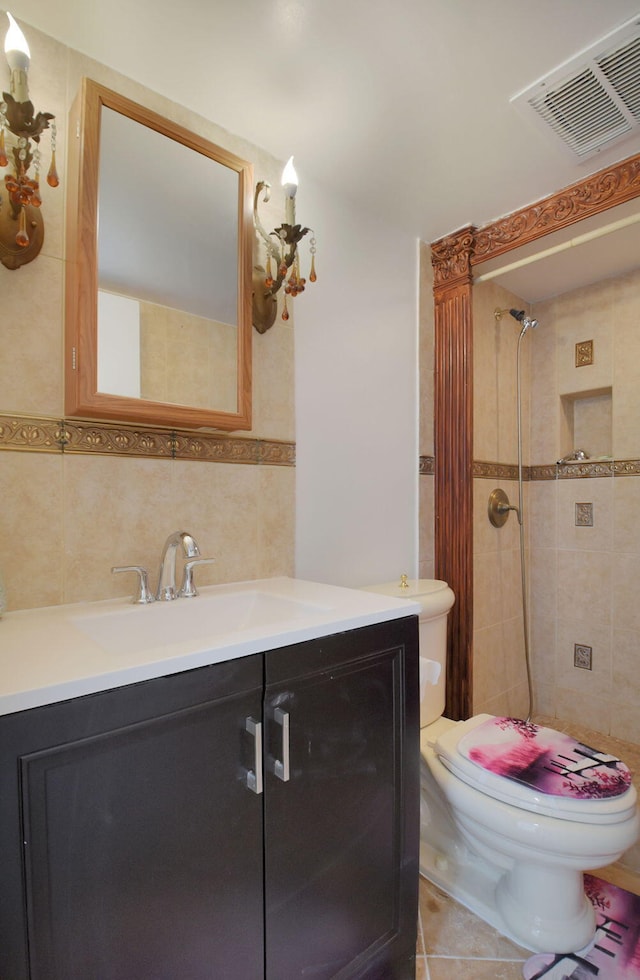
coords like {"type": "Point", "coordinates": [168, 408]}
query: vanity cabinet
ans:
{"type": "Point", "coordinates": [139, 839]}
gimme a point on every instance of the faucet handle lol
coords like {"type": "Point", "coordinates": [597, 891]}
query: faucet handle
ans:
{"type": "Point", "coordinates": [144, 593]}
{"type": "Point", "coordinates": [188, 588]}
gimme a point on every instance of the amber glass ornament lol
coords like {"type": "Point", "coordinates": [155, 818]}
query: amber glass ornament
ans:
{"type": "Point", "coordinates": [52, 177]}
{"type": "Point", "coordinates": [285, 311]}
{"type": "Point", "coordinates": [3, 152]}
{"type": "Point", "coordinates": [22, 239]}
{"type": "Point", "coordinates": [268, 279]}
{"type": "Point", "coordinates": [312, 272]}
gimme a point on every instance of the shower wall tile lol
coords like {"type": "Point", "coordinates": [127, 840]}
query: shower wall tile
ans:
{"type": "Point", "coordinates": [595, 682]}
{"type": "Point", "coordinates": [543, 585]}
{"type": "Point", "coordinates": [583, 709]}
{"type": "Point", "coordinates": [585, 314]}
{"type": "Point", "coordinates": [514, 654]}
{"type": "Point", "coordinates": [626, 667]}
{"type": "Point", "coordinates": [626, 579]}
{"type": "Point", "coordinates": [598, 492]}
{"type": "Point", "coordinates": [625, 721]}
{"type": "Point", "coordinates": [510, 583]}
{"type": "Point", "coordinates": [488, 664]}
{"type": "Point", "coordinates": [542, 513]}
{"type": "Point", "coordinates": [487, 599]}
{"type": "Point", "coordinates": [545, 699]}
{"type": "Point", "coordinates": [626, 433]}
{"type": "Point", "coordinates": [626, 515]}
{"type": "Point", "coordinates": [584, 587]}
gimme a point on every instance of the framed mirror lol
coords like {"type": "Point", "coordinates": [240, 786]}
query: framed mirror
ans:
{"type": "Point", "coordinates": [159, 260]}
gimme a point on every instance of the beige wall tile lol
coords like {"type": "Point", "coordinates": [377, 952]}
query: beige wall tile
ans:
{"type": "Point", "coordinates": [32, 327]}
{"type": "Point", "coordinates": [626, 608]}
{"type": "Point", "coordinates": [626, 667]}
{"type": "Point", "coordinates": [595, 682]}
{"type": "Point", "coordinates": [584, 587]}
{"type": "Point", "coordinates": [581, 709]}
{"type": "Point", "coordinates": [626, 515]}
{"type": "Point", "coordinates": [276, 520]}
{"type": "Point", "coordinates": [31, 536]}
{"type": "Point", "coordinates": [598, 492]}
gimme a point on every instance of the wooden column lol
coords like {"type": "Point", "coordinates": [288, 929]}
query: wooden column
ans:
{"type": "Point", "coordinates": [453, 380]}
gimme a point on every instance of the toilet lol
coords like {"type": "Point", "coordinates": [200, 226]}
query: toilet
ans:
{"type": "Point", "coordinates": [512, 813]}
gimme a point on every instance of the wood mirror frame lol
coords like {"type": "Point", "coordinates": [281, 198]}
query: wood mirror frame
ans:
{"type": "Point", "coordinates": [453, 259]}
{"type": "Point", "coordinates": [82, 398]}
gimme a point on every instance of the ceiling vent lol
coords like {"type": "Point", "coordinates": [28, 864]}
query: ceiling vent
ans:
{"type": "Point", "coordinates": [592, 101]}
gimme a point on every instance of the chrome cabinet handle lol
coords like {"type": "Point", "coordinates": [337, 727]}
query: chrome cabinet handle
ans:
{"type": "Point", "coordinates": [253, 776]}
{"type": "Point", "coordinates": [281, 766]}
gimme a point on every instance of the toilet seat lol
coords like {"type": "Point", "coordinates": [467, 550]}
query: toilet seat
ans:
{"type": "Point", "coordinates": [456, 745]}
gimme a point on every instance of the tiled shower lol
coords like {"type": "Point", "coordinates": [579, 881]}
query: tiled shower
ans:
{"type": "Point", "coordinates": [580, 391]}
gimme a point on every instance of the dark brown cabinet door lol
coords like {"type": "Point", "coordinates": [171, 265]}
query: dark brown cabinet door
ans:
{"type": "Point", "coordinates": [341, 806]}
{"type": "Point", "coordinates": [142, 840]}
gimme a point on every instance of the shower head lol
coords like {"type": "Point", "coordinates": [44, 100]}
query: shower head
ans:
{"type": "Point", "coordinates": [518, 315]}
{"type": "Point", "coordinates": [522, 318]}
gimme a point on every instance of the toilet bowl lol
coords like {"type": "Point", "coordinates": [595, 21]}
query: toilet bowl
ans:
{"type": "Point", "coordinates": [512, 813]}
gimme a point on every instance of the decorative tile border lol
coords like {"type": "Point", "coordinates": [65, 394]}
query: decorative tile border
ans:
{"type": "Point", "coordinates": [107, 439]}
{"type": "Point", "coordinates": [483, 470]}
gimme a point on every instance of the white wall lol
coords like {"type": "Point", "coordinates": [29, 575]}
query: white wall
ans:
{"type": "Point", "coordinates": [356, 398]}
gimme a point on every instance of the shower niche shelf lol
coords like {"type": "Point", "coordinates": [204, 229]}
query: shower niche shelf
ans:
{"type": "Point", "coordinates": [587, 422]}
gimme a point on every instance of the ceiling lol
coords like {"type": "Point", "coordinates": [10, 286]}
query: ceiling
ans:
{"type": "Point", "coordinates": [403, 107]}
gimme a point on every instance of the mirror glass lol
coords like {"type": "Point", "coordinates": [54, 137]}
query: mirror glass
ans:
{"type": "Point", "coordinates": [164, 333]}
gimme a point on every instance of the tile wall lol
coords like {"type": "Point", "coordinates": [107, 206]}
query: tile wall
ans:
{"type": "Point", "coordinates": [65, 520]}
{"type": "Point", "coordinates": [584, 578]}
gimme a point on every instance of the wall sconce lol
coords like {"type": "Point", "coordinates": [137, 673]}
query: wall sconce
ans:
{"type": "Point", "coordinates": [21, 223]}
{"type": "Point", "coordinates": [282, 254]}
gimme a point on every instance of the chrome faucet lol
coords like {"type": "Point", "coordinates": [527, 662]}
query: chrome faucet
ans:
{"type": "Point", "coordinates": [167, 576]}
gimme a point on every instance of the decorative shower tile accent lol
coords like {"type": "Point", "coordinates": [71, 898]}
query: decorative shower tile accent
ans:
{"type": "Point", "coordinates": [582, 656]}
{"type": "Point", "coordinates": [584, 353]}
{"type": "Point", "coordinates": [427, 465]}
{"type": "Point", "coordinates": [497, 471]}
{"type": "Point", "coordinates": [585, 470]}
{"type": "Point", "coordinates": [584, 515]}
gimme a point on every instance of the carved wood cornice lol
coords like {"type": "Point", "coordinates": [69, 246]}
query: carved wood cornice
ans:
{"type": "Point", "coordinates": [451, 258]}
{"type": "Point", "coordinates": [587, 197]}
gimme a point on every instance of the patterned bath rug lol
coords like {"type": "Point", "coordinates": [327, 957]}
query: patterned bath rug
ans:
{"type": "Point", "coordinates": [614, 952]}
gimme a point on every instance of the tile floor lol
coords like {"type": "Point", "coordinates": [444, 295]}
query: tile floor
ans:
{"type": "Point", "coordinates": [454, 944]}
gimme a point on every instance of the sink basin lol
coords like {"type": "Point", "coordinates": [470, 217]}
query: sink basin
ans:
{"type": "Point", "coordinates": [196, 621]}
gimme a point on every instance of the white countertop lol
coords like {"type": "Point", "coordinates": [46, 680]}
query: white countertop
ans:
{"type": "Point", "coordinates": [61, 652]}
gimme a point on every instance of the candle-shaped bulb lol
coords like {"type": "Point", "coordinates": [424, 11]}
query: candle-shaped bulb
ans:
{"type": "Point", "coordinates": [290, 179]}
{"type": "Point", "coordinates": [18, 56]}
{"type": "Point", "coordinates": [290, 184]}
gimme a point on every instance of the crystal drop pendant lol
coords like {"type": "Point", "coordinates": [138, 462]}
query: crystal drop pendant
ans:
{"type": "Point", "coordinates": [22, 239]}
{"type": "Point", "coordinates": [268, 279]}
{"type": "Point", "coordinates": [3, 152]}
{"type": "Point", "coordinates": [52, 177]}
{"type": "Point", "coordinates": [312, 273]}
{"type": "Point", "coordinates": [285, 311]}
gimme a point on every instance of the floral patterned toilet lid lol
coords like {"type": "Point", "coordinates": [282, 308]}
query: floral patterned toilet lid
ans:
{"type": "Point", "coordinates": [550, 762]}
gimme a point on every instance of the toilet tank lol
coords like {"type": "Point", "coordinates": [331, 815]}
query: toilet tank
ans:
{"type": "Point", "coordinates": [435, 599]}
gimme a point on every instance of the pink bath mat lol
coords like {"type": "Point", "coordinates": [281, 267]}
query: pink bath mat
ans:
{"type": "Point", "coordinates": [613, 954]}
{"type": "Point", "coordinates": [548, 761]}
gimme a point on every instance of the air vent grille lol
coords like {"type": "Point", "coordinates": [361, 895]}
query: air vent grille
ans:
{"type": "Point", "coordinates": [593, 101]}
